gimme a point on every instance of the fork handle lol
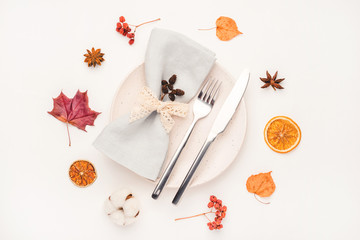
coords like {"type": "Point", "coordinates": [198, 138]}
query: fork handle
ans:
{"type": "Point", "coordinates": [165, 176]}
{"type": "Point", "coordinates": [193, 168]}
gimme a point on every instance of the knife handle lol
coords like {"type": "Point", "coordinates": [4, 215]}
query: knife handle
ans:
{"type": "Point", "coordinates": [193, 168]}
{"type": "Point", "coordinates": [165, 176]}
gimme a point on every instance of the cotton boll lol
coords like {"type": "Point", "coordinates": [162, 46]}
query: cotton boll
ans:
{"type": "Point", "coordinates": [109, 207]}
{"type": "Point", "coordinates": [118, 197]}
{"type": "Point", "coordinates": [129, 220]}
{"type": "Point", "coordinates": [131, 207]}
{"type": "Point", "coordinates": [118, 218]}
{"type": "Point", "coordinates": [122, 207]}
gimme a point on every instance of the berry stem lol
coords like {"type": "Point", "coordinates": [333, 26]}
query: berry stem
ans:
{"type": "Point", "coordinates": [193, 216]}
{"type": "Point", "coordinates": [260, 200]}
{"type": "Point", "coordinates": [206, 29]}
{"type": "Point", "coordinates": [207, 217]}
{"type": "Point", "coordinates": [158, 19]}
{"type": "Point", "coordinates": [136, 26]}
{"type": "Point", "coordinates": [67, 127]}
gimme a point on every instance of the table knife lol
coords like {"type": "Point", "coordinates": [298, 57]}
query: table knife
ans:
{"type": "Point", "coordinates": [223, 118]}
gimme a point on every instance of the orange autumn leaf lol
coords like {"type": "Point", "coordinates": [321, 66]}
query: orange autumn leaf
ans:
{"type": "Point", "coordinates": [226, 28]}
{"type": "Point", "coordinates": [261, 184]}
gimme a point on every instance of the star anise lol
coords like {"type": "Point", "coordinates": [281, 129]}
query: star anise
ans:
{"type": "Point", "coordinates": [272, 81]}
{"type": "Point", "coordinates": [94, 57]}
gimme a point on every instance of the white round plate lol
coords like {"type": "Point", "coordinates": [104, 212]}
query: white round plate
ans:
{"type": "Point", "coordinates": [223, 150]}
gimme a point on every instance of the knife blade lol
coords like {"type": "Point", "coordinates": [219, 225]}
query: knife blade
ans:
{"type": "Point", "coordinates": [223, 118]}
{"type": "Point", "coordinates": [232, 101]}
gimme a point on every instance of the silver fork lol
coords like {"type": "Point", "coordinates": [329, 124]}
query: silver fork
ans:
{"type": "Point", "coordinates": [202, 107]}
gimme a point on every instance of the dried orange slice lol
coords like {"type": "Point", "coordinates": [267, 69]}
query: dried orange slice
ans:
{"type": "Point", "coordinates": [82, 173]}
{"type": "Point", "coordinates": [282, 134]}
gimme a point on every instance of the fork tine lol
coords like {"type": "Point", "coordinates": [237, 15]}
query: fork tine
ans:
{"type": "Point", "coordinates": [202, 90]}
{"type": "Point", "coordinates": [214, 96]}
{"type": "Point", "coordinates": [209, 97]}
{"type": "Point", "coordinates": [207, 93]}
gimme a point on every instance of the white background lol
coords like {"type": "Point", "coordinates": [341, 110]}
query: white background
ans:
{"type": "Point", "coordinates": [315, 45]}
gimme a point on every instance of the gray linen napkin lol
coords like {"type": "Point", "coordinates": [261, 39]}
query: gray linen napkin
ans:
{"type": "Point", "coordinates": [141, 146]}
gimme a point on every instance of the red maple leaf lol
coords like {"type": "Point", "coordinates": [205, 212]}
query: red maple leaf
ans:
{"type": "Point", "coordinates": [74, 111]}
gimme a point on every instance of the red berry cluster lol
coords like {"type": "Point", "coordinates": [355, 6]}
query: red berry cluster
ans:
{"type": "Point", "coordinates": [220, 213]}
{"type": "Point", "coordinates": [123, 28]}
{"type": "Point", "coordinates": [216, 207]}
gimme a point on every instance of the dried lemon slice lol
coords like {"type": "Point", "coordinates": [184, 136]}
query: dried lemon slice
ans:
{"type": "Point", "coordinates": [82, 173]}
{"type": "Point", "coordinates": [282, 134]}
